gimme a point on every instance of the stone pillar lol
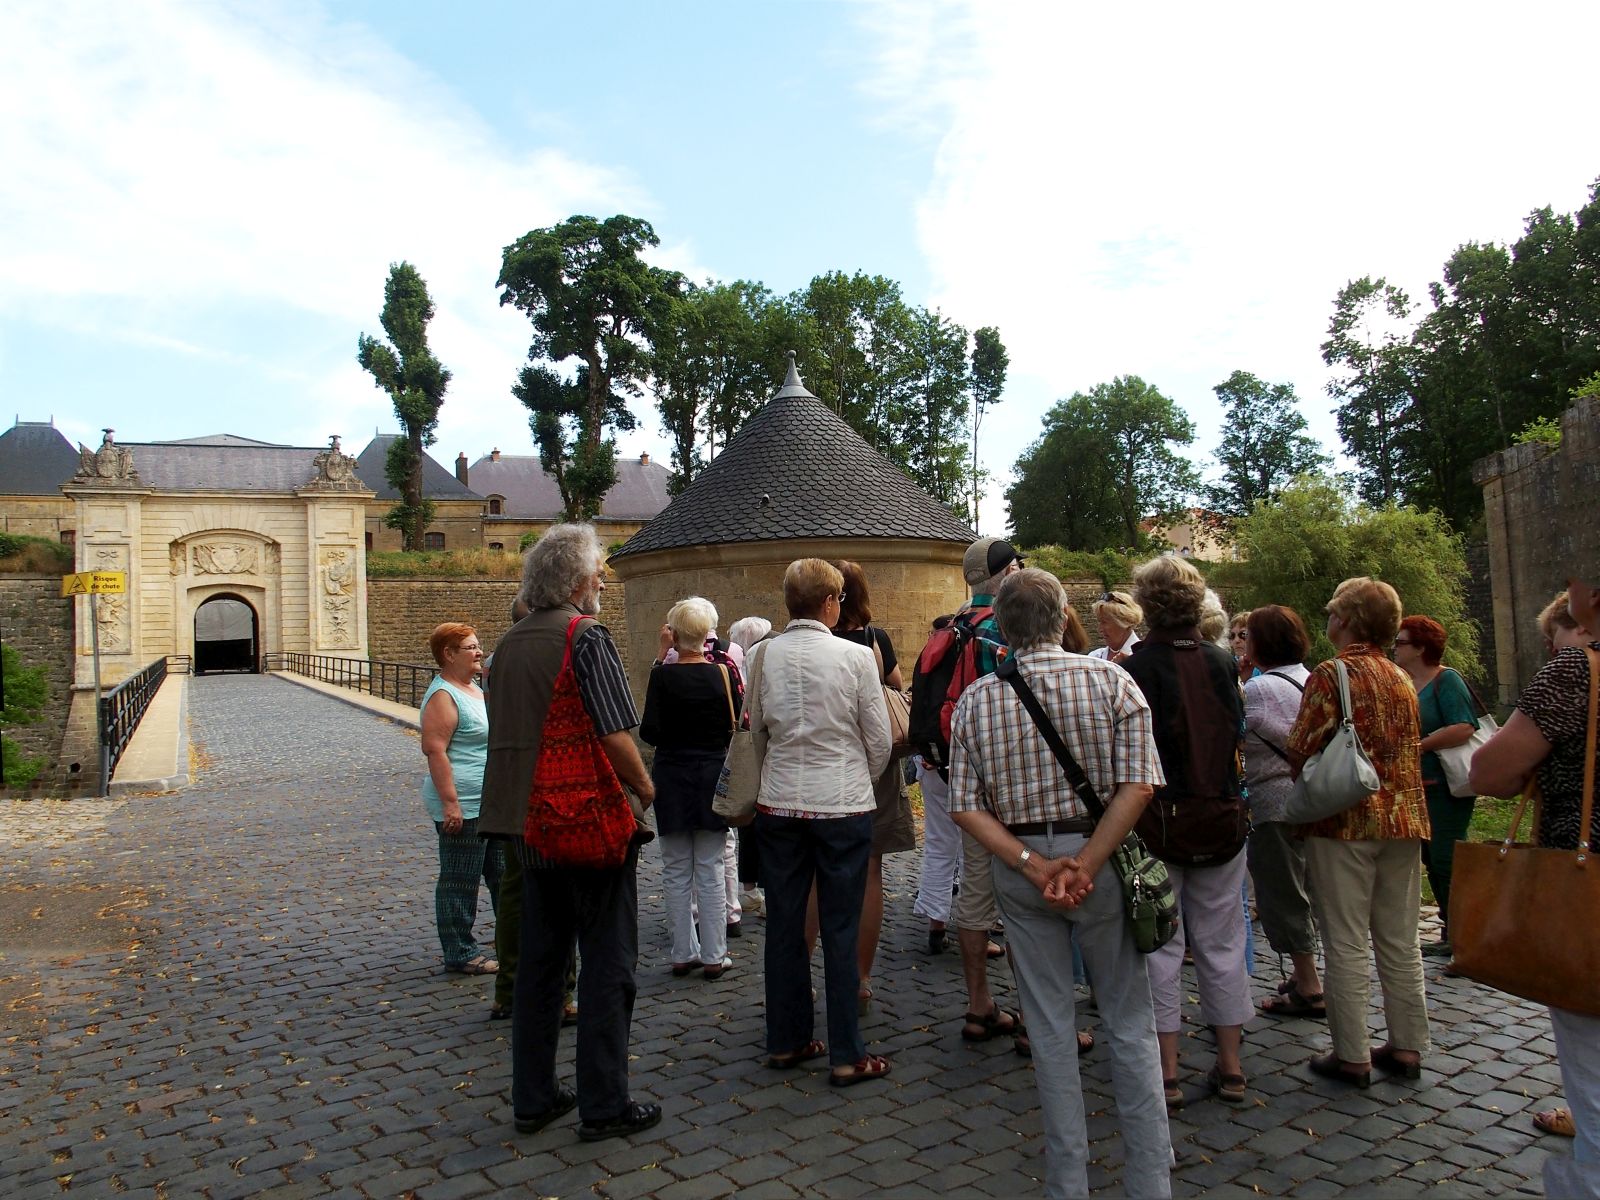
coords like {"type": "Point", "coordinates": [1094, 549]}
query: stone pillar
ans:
{"type": "Point", "coordinates": [336, 558]}
{"type": "Point", "coordinates": [109, 516]}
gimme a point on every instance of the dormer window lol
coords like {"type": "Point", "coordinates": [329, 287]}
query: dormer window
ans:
{"type": "Point", "coordinates": [497, 505]}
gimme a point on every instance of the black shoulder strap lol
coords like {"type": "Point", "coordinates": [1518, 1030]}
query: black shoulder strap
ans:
{"type": "Point", "coordinates": [1008, 670]}
{"type": "Point", "coordinates": [1298, 686]}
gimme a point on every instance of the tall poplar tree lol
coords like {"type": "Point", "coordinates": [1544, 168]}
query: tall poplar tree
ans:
{"type": "Point", "coordinates": [416, 382]}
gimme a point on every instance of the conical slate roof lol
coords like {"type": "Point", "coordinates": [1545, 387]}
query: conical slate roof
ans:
{"type": "Point", "coordinates": [797, 470]}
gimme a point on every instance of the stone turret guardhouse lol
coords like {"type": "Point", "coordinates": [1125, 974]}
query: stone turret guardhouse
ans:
{"type": "Point", "coordinates": [796, 481]}
{"type": "Point", "coordinates": [275, 530]}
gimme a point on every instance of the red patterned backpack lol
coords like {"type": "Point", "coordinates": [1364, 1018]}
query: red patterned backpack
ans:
{"type": "Point", "coordinates": [578, 815]}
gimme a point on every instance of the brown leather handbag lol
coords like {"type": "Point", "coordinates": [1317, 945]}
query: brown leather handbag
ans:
{"type": "Point", "coordinates": [1522, 917]}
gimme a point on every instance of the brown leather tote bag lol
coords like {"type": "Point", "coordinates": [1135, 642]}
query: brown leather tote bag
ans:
{"type": "Point", "coordinates": [1522, 917]}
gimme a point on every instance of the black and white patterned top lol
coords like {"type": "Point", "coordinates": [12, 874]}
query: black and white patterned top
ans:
{"type": "Point", "coordinates": [1557, 701]}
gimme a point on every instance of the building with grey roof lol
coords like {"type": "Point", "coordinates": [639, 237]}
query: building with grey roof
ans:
{"type": "Point", "coordinates": [795, 482]}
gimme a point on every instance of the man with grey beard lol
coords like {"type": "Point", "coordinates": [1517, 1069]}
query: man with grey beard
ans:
{"type": "Point", "coordinates": [562, 578]}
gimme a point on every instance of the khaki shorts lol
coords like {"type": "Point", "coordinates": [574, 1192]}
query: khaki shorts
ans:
{"type": "Point", "coordinates": [975, 906]}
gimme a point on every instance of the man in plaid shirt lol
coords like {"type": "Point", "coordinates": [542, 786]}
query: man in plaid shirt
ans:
{"type": "Point", "coordinates": [1052, 876]}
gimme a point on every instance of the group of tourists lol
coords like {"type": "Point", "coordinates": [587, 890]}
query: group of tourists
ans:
{"type": "Point", "coordinates": [1191, 734]}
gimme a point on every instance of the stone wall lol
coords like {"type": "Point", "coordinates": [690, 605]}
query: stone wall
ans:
{"type": "Point", "coordinates": [36, 622]}
{"type": "Point", "coordinates": [401, 613]}
{"type": "Point", "coordinates": [1480, 607]}
{"type": "Point", "coordinates": [912, 582]}
{"type": "Point", "coordinates": [1539, 510]}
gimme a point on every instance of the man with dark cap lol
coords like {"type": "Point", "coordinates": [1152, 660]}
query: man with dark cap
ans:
{"type": "Point", "coordinates": [987, 562]}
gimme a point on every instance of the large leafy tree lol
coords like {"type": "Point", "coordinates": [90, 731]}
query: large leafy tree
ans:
{"type": "Point", "coordinates": [1063, 494]}
{"type": "Point", "coordinates": [1369, 344]}
{"type": "Point", "coordinates": [989, 365]}
{"type": "Point", "coordinates": [1142, 427]}
{"type": "Point", "coordinates": [1315, 535]}
{"type": "Point", "coordinates": [596, 303]}
{"type": "Point", "coordinates": [1105, 462]}
{"type": "Point", "coordinates": [712, 368]}
{"type": "Point", "coordinates": [405, 368]}
{"type": "Point", "coordinates": [1264, 443]}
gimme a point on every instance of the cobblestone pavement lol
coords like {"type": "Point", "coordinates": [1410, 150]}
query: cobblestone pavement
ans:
{"type": "Point", "coordinates": [234, 990]}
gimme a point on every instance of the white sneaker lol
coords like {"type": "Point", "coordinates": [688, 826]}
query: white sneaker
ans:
{"type": "Point", "coordinates": [752, 900]}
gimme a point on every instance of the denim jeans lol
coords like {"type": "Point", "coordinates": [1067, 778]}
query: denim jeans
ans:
{"type": "Point", "coordinates": [832, 852]}
{"type": "Point", "coordinates": [464, 860]}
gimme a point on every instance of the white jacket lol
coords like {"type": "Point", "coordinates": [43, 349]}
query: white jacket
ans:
{"type": "Point", "coordinates": [818, 721]}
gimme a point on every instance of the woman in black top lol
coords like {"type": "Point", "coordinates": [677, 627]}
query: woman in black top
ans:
{"type": "Point", "coordinates": [690, 711]}
{"type": "Point", "coordinates": [893, 830]}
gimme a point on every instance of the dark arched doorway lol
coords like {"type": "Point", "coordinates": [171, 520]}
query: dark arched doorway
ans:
{"type": "Point", "coordinates": [225, 636]}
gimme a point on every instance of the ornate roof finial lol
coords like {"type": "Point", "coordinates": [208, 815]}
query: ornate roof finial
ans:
{"type": "Point", "coordinates": [792, 384]}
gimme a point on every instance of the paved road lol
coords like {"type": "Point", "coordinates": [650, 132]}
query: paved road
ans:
{"type": "Point", "coordinates": [233, 991]}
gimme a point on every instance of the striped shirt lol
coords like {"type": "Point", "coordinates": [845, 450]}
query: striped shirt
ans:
{"type": "Point", "coordinates": [1001, 762]}
{"type": "Point", "coordinates": [602, 682]}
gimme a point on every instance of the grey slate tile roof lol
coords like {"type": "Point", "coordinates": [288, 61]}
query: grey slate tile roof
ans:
{"type": "Point", "coordinates": [206, 467]}
{"type": "Point", "coordinates": [638, 495]}
{"type": "Point", "coordinates": [797, 470]}
{"type": "Point", "coordinates": [437, 483]}
{"type": "Point", "coordinates": [35, 460]}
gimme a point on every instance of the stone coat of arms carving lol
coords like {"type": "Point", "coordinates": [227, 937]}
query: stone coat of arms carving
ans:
{"type": "Point", "coordinates": [110, 464]}
{"type": "Point", "coordinates": [225, 558]}
{"type": "Point", "coordinates": [335, 471]}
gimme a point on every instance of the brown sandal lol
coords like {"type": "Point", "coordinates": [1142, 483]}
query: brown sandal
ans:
{"type": "Point", "coordinates": [1557, 1121]}
{"type": "Point", "coordinates": [998, 1023]}
{"type": "Point", "coordinates": [783, 1062]}
{"type": "Point", "coordinates": [873, 1066]}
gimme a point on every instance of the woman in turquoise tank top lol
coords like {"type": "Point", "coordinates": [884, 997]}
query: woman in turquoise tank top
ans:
{"type": "Point", "coordinates": [455, 742]}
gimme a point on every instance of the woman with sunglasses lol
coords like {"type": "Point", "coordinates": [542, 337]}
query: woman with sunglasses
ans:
{"type": "Point", "coordinates": [1116, 614]}
{"type": "Point", "coordinates": [1444, 705]}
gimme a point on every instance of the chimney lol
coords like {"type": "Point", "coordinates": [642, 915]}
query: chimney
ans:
{"type": "Point", "coordinates": [494, 455]}
{"type": "Point", "coordinates": [461, 467]}
{"type": "Point", "coordinates": [644, 460]}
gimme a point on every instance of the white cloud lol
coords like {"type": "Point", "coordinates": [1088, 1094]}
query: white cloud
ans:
{"type": "Point", "coordinates": [233, 183]}
{"type": "Point", "coordinates": [1179, 191]}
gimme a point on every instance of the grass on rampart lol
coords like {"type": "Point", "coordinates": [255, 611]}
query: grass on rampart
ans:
{"type": "Point", "coordinates": [24, 554]}
{"type": "Point", "coordinates": [474, 563]}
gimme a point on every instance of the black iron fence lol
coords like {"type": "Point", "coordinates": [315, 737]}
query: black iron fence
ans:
{"type": "Point", "coordinates": [180, 664]}
{"type": "Point", "coordinates": [121, 709]}
{"type": "Point", "coordinates": [402, 683]}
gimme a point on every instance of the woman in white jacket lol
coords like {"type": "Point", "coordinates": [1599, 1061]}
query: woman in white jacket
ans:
{"type": "Point", "coordinates": [821, 734]}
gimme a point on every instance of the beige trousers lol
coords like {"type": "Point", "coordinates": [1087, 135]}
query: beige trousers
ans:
{"type": "Point", "coordinates": [1369, 893]}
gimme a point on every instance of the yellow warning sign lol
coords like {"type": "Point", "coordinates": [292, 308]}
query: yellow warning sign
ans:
{"type": "Point", "coordinates": [94, 583]}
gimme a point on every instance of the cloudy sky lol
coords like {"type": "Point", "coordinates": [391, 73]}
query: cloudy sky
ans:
{"type": "Point", "coordinates": [200, 202]}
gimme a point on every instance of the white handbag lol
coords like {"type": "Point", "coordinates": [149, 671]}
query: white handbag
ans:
{"type": "Point", "coordinates": [739, 783]}
{"type": "Point", "coordinates": [1457, 760]}
{"type": "Point", "coordinates": [1337, 777]}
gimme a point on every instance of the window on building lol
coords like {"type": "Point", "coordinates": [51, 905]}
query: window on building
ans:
{"type": "Point", "coordinates": [433, 541]}
{"type": "Point", "coordinates": [497, 505]}
{"type": "Point", "coordinates": [497, 545]}
{"type": "Point", "coordinates": [69, 537]}
{"type": "Point", "coordinates": [369, 539]}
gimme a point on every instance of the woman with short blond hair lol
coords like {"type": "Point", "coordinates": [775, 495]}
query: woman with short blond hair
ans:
{"type": "Point", "coordinates": [1116, 614]}
{"type": "Point", "coordinates": [691, 709]}
{"type": "Point", "coordinates": [1365, 863]}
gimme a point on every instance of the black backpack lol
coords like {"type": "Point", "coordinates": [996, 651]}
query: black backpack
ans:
{"type": "Point", "coordinates": [947, 666]}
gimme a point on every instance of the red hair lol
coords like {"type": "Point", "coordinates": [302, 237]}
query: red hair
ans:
{"type": "Point", "coordinates": [447, 637]}
{"type": "Point", "coordinates": [1429, 637]}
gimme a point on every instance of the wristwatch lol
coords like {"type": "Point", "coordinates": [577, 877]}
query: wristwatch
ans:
{"type": "Point", "coordinates": [1022, 859]}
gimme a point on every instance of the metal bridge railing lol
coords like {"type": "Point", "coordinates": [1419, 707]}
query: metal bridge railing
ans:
{"type": "Point", "coordinates": [403, 683]}
{"type": "Point", "coordinates": [120, 712]}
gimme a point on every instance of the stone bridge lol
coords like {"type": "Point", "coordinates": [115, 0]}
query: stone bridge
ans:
{"type": "Point", "coordinates": [232, 989]}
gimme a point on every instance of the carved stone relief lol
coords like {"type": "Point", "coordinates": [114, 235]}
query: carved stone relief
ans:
{"type": "Point", "coordinates": [336, 572]}
{"type": "Point", "coordinates": [115, 634]}
{"type": "Point", "coordinates": [111, 464]}
{"type": "Point", "coordinates": [335, 471]}
{"type": "Point", "coordinates": [225, 558]}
